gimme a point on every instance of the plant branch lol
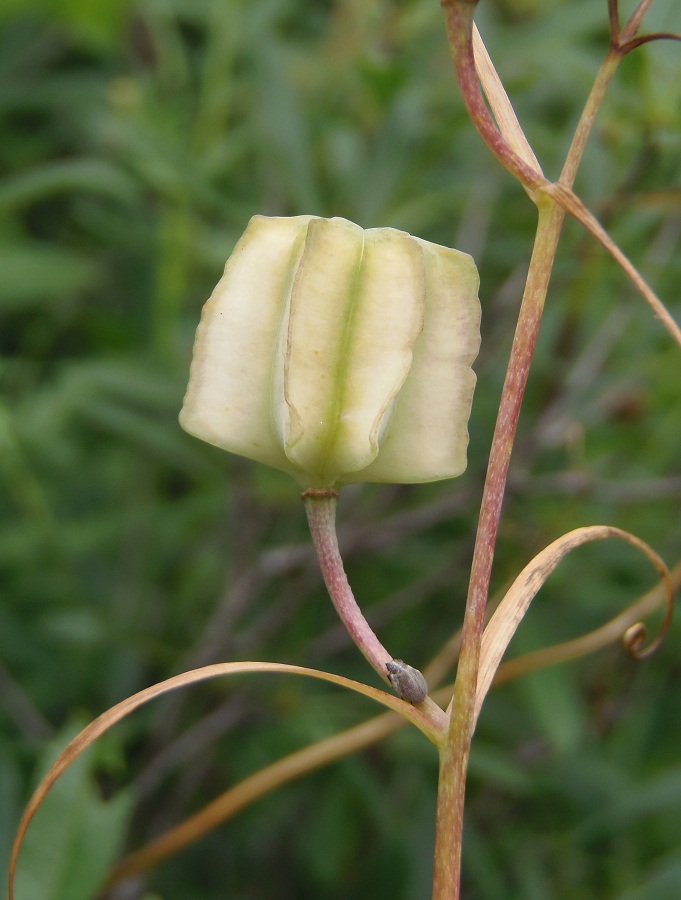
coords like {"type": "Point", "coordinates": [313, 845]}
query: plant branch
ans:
{"type": "Point", "coordinates": [572, 204]}
{"type": "Point", "coordinates": [588, 116]}
{"type": "Point", "coordinates": [628, 46]}
{"type": "Point", "coordinates": [320, 506]}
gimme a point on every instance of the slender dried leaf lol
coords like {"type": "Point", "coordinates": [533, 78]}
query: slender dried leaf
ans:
{"type": "Point", "coordinates": [108, 719]}
{"type": "Point", "coordinates": [508, 615]}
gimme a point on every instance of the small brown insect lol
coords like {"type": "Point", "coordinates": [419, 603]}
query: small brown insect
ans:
{"type": "Point", "coordinates": [407, 682]}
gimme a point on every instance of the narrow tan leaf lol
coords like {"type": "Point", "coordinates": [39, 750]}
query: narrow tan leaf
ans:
{"type": "Point", "coordinates": [574, 206]}
{"type": "Point", "coordinates": [609, 633]}
{"type": "Point", "coordinates": [508, 615]}
{"type": "Point", "coordinates": [222, 808]}
{"type": "Point", "coordinates": [116, 713]}
{"type": "Point", "coordinates": [501, 106]}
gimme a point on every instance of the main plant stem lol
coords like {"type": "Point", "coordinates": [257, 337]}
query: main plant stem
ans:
{"type": "Point", "coordinates": [454, 755]}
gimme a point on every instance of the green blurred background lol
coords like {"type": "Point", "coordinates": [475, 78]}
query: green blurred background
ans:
{"type": "Point", "coordinates": [136, 140]}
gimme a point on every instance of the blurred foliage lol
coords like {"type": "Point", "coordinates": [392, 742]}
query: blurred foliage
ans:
{"type": "Point", "coordinates": [75, 837]}
{"type": "Point", "coordinates": [136, 139]}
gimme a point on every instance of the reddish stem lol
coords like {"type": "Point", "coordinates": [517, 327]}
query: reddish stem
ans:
{"type": "Point", "coordinates": [320, 507]}
{"type": "Point", "coordinates": [454, 757]}
{"type": "Point", "coordinates": [459, 21]}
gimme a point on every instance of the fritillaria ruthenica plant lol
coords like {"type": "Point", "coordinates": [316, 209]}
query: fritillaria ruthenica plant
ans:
{"type": "Point", "coordinates": [341, 355]}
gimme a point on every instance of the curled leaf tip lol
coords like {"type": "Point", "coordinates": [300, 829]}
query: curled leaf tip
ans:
{"type": "Point", "coordinates": [635, 638]}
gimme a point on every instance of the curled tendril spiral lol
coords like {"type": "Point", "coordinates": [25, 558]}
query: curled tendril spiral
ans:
{"type": "Point", "coordinates": [636, 636]}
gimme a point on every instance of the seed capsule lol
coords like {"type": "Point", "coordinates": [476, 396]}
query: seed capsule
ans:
{"type": "Point", "coordinates": [407, 682]}
{"type": "Point", "coordinates": [338, 354]}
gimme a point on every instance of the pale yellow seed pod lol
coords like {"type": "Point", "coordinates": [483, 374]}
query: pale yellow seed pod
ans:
{"type": "Point", "coordinates": [338, 354]}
